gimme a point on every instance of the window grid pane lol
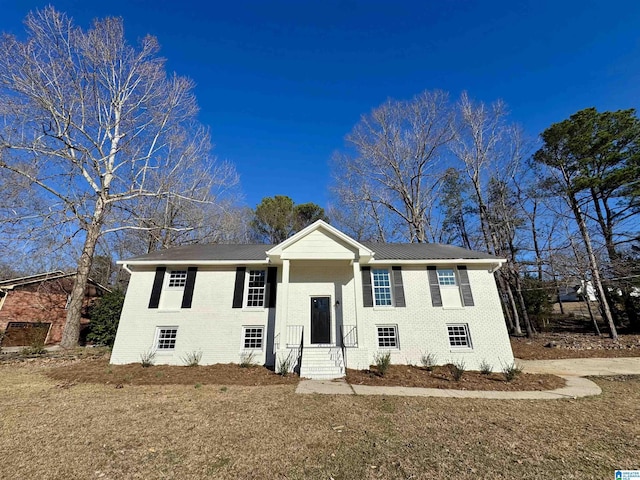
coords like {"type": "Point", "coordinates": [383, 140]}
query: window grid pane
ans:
{"type": "Point", "coordinates": [255, 292]}
{"type": "Point", "coordinates": [178, 278]}
{"type": "Point", "coordinates": [167, 338]}
{"type": "Point", "coordinates": [253, 337]}
{"type": "Point", "coordinates": [459, 336]}
{"type": "Point", "coordinates": [388, 337]}
{"type": "Point", "coordinates": [381, 287]}
{"type": "Point", "coordinates": [447, 277]}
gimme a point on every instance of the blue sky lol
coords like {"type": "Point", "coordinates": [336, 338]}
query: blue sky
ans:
{"type": "Point", "coordinates": [281, 83]}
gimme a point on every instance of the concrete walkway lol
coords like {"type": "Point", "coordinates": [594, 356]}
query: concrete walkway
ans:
{"type": "Point", "coordinates": [572, 370]}
{"type": "Point", "coordinates": [583, 367]}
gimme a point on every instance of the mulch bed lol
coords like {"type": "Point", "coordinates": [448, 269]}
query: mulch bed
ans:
{"type": "Point", "coordinates": [549, 346]}
{"type": "Point", "coordinates": [440, 377]}
{"type": "Point", "coordinates": [100, 371]}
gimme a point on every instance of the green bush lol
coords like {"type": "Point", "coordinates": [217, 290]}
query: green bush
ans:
{"type": "Point", "coordinates": [383, 361]}
{"type": "Point", "coordinates": [105, 315]}
{"type": "Point", "coordinates": [511, 372]}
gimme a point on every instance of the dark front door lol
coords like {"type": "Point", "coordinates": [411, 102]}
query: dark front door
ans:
{"type": "Point", "coordinates": [320, 320]}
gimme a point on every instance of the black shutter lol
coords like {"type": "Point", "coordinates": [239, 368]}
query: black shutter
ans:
{"type": "Point", "coordinates": [272, 284]}
{"type": "Point", "coordinates": [434, 286]}
{"type": "Point", "coordinates": [187, 296]}
{"type": "Point", "coordinates": [398, 288]}
{"type": "Point", "coordinates": [367, 292]}
{"type": "Point", "coordinates": [238, 290]}
{"type": "Point", "coordinates": [465, 287]}
{"type": "Point", "coordinates": [154, 301]}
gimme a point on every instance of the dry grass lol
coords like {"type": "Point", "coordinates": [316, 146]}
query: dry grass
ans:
{"type": "Point", "coordinates": [441, 377]}
{"type": "Point", "coordinates": [62, 431]}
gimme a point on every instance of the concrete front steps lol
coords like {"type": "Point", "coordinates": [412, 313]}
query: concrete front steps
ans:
{"type": "Point", "coordinates": [322, 363]}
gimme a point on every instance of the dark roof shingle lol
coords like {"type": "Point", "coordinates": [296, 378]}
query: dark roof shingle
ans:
{"type": "Point", "coordinates": [240, 253]}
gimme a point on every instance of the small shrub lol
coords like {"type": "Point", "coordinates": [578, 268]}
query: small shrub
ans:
{"type": "Point", "coordinates": [486, 368]}
{"type": "Point", "coordinates": [247, 360]}
{"type": "Point", "coordinates": [457, 370]}
{"type": "Point", "coordinates": [284, 366]}
{"type": "Point", "coordinates": [223, 389]}
{"type": "Point", "coordinates": [105, 315]}
{"type": "Point", "coordinates": [35, 348]}
{"type": "Point", "coordinates": [147, 358]}
{"type": "Point", "coordinates": [383, 361]}
{"type": "Point", "coordinates": [198, 385]}
{"type": "Point", "coordinates": [511, 372]}
{"type": "Point", "coordinates": [428, 361]}
{"type": "Point", "coordinates": [192, 359]}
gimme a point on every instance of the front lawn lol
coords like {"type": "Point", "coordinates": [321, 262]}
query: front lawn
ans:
{"type": "Point", "coordinates": [59, 430]}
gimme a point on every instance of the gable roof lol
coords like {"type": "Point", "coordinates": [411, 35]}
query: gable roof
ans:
{"type": "Point", "coordinates": [205, 252]}
{"type": "Point", "coordinates": [42, 277]}
{"type": "Point", "coordinates": [326, 231]}
{"type": "Point", "coordinates": [369, 252]}
{"type": "Point", "coordinates": [424, 251]}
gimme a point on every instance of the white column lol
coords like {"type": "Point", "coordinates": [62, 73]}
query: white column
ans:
{"type": "Point", "coordinates": [357, 286]}
{"type": "Point", "coordinates": [282, 318]}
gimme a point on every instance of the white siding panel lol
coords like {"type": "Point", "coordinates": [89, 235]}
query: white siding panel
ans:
{"type": "Point", "coordinates": [422, 328]}
{"type": "Point", "coordinates": [319, 245]}
{"type": "Point", "coordinates": [210, 326]}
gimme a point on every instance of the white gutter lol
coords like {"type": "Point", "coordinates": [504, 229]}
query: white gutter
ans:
{"type": "Point", "coordinates": [125, 267]}
{"type": "Point", "coordinates": [436, 261]}
{"type": "Point", "coordinates": [192, 262]}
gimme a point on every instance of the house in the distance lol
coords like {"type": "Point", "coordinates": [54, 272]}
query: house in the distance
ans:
{"type": "Point", "coordinates": [320, 299]}
{"type": "Point", "coordinates": [34, 309]}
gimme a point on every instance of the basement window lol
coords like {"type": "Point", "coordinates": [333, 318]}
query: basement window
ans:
{"type": "Point", "coordinates": [387, 336]}
{"type": "Point", "coordinates": [253, 338]}
{"type": "Point", "coordinates": [459, 335]}
{"type": "Point", "coordinates": [166, 338]}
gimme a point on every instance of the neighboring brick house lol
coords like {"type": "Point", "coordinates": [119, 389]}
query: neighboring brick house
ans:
{"type": "Point", "coordinates": [34, 308]}
{"type": "Point", "coordinates": [319, 298]}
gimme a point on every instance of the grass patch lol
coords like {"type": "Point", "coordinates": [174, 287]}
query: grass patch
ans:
{"type": "Point", "coordinates": [171, 433]}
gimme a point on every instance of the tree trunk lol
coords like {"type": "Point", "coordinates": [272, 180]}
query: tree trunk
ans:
{"type": "Point", "coordinates": [523, 307]}
{"type": "Point", "coordinates": [591, 315]}
{"type": "Point", "coordinates": [71, 332]}
{"type": "Point", "coordinates": [595, 271]}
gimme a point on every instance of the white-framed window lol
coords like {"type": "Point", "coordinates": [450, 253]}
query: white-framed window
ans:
{"type": "Point", "coordinates": [166, 338]}
{"type": "Point", "coordinates": [387, 336]}
{"type": "Point", "coordinates": [256, 281]}
{"type": "Point", "coordinates": [252, 338]}
{"type": "Point", "coordinates": [459, 335]}
{"type": "Point", "coordinates": [381, 281]}
{"type": "Point", "coordinates": [447, 277]}
{"type": "Point", "coordinates": [177, 278]}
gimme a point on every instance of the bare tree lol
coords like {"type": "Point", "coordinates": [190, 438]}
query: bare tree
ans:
{"type": "Point", "coordinates": [396, 165]}
{"type": "Point", "coordinates": [489, 147]}
{"type": "Point", "coordinates": [90, 124]}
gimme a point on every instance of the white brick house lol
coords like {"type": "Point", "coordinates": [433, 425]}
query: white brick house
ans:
{"type": "Point", "coordinates": [319, 298]}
